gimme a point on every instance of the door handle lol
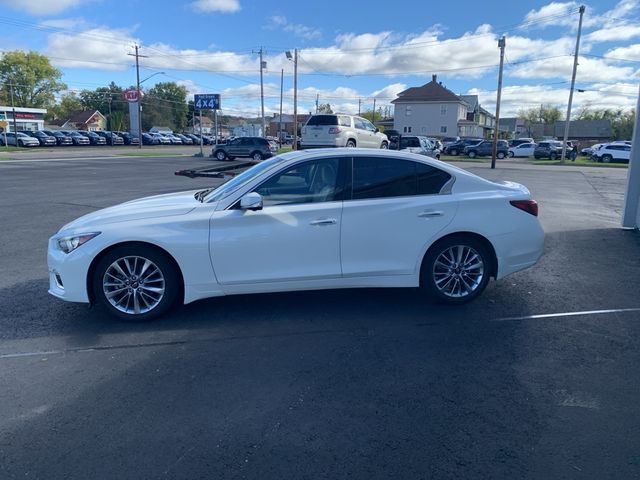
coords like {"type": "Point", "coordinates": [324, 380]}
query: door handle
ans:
{"type": "Point", "coordinates": [323, 221]}
{"type": "Point", "coordinates": [431, 214]}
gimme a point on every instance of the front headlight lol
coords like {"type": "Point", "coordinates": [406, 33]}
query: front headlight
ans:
{"type": "Point", "coordinates": [70, 243]}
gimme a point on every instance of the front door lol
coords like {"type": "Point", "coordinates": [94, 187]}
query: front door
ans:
{"type": "Point", "coordinates": [296, 235]}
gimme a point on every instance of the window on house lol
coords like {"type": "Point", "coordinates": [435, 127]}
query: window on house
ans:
{"type": "Point", "coordinates": [443, 109]}
{"type": "Point", "coordinates": [443, 129]}
{"type": "Point", "coordinates": [407, 110]}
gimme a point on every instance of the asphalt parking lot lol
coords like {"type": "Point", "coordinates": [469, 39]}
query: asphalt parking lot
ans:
{"type": "Point", "coordinates": [332, 384]}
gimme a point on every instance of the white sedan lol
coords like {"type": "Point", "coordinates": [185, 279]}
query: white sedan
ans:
{"type": "Point", "coordinates": [522, 150]}
{"type": "Point", "coordinates": [338, 218]}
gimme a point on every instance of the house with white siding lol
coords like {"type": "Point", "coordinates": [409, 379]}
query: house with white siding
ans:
{"type": "Point", "coordinates": [435, 111]}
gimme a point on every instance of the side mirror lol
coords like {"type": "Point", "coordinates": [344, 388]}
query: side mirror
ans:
{"type": "Point", "coordinates": [251, 201]}
{"type": "Point", "coordinates": [377, 130]}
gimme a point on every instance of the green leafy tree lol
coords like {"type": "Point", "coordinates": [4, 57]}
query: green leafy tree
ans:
{"type": "Point", "coordinates": [67, 106]}
{"type": "Point", "coordinates": [325, 108]}
{"type": "Point", "coordinates": [542, 115]}
{"type": "Point", "coordinates": [35, 81]}
{"type": "Point", "coordinates": [165, 105]}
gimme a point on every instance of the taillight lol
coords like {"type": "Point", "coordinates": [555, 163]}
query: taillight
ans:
{"type": "Point", "coordinates": [529, 206]}
{"type": "Point", "coordinates": [334, 130]}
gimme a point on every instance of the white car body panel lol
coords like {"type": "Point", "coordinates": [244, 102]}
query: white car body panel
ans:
{"type": "Point", "coordinates": [373, 243]}
{"type": "Point", "coordinates": [523, 150]}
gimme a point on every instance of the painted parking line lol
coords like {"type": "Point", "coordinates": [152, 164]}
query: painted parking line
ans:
{"type": "Point", "coordinates": [568, 314]}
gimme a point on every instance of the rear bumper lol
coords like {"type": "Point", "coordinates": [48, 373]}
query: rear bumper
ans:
{"type": "Point", "coordinates": [518, 250]}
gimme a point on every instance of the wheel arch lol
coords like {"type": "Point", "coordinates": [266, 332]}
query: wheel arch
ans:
{"type": "Point", "coordinates": [480, 238]}
{"type": "Point", "coordinates": [352, 139]}
{"type": "Point", "coordinates": [99, 256]}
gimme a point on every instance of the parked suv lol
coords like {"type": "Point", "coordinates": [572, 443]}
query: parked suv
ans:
{"type": "Point", "coordinates": [341, 131]}
{"type": "Point", "coordinates": [613, 152]}
{"type": "Point", "coordinates": [485, 148]}
{"type": "Point", "coordinates": [457, 147]}
{"type": "Point", "coordinates": [549, 149]}
{"type": "Point", "coordinates": [257, 148]}
{"type": "Point", "coordinates": [44, 139]}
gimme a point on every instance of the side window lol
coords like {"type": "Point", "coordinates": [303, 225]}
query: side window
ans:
{"type": "Point", "coordinates": [344, 121]}
{"type": "Point", "coordinates": [409, 142]}
{"type": "Point", "coordinates": [309, 182]}
{"type": "Point", "coordinates": [359, 123]}
{"type": "Point", "coordinates": [430, 179]}
{"type": "Point", "coordinates": [379, 177]}
{"type": "Point", "coordinates": [369, 126]}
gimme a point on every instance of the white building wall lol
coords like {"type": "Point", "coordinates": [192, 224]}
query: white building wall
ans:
{"type": "Point", "coordinates": [429, 118]}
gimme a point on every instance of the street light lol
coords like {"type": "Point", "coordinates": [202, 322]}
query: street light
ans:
{"type": "Point", "coordinates": [153, 75]}
{"type": "Point", "coordinates": [294, 57]}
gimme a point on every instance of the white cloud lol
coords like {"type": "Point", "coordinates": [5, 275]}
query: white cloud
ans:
{"type": "Point", "coordinates": [589, 70]}
{"type": "Point", "coordinates": [632, 52]}
{"type": "Point", "coordinates": [224, 6]}
{"type": "Point", "coordinates": [278, 22]}
{"type": "Point", "coordinates": [64, 23]}
{"type": "Point", "coordinates": [42, 8]}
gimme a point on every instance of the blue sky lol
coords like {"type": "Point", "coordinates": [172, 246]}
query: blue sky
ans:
{"type": "Point", "coordinates": [349, 51]}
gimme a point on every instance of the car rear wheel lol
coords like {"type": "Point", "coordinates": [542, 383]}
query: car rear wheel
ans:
{"type": "Point", "coordinates": [221, 155]}
{"type": "Point", "coordinates": [136, 283]}
{"type": "Point", "coordinates": [472, 154]}
{"type": "Point", "coordinates": [257, 156]}
{"type": "Point", "coordinates": [500, 155]}
{"type": "Point", "coordinates": [454, 152]}
{"type": "Point", "coordinates": [456, 269]}
{"type": "Point", "coordinates": [351, 144]}
{"type": "Point", "coordinates": [511, 155]}
{"type": "Point", "coordinates": [384, 145]}
{"type": "Point", "coordinates": [553, 156]}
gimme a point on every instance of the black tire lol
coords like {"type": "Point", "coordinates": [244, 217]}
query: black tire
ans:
{"type": "Point", "coordinates": [384, 145]}
{"type": "Point", "coordinates": [472, 154]}
{"type": "Point", "coordinates": [511, 155]}
{"type": "Point", "coordinates": [553, 156]}
{"type": "Point", "coordinates": [168, 270]}
{"type": "Point", "coordinates": [432, 272]}
{"type": "Point", "coordinates": [607, 158]}
{"type": "Point", "coordinates": [257, 156]}
{"type": "Point", "coordinates": [351, 144]}
{"type": "Point", "coordinates": [454, 152]}
{"type": "Point", "coordinates": [20, 144]}
{"type": "Point", "coordinates": [220, 155]}
{"type": "Point", "coordinates": [500, 155]}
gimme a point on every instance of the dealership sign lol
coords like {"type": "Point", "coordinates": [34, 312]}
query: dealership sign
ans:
{"type": "Point", "coordinates": [131, 95]}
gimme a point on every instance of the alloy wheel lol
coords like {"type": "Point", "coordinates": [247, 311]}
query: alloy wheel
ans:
{"type": "Point", "coordinates": [458, 271]}
{"type": "Point", "coordinates": [133, 285]}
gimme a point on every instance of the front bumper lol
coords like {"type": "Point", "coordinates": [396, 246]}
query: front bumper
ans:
{"type": "Point", "coordinates": [67, 274]}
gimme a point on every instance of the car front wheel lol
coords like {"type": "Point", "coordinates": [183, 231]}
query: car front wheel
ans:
{"type": "Point", "coordinates": [136, 283]}
{"type": "Point", "coordinates": [511, 155]}
{"type": "Point", "coordinates": [384, 146]}
{"type": "Point", "coordinates": [607, 158]}
{"type": "Point", "coordinates": [500, 155]}
{"type": "Point", "coordinates": [472, 154]}
{"type": "Point", "coordinates": [456, 269]}
{"type": "Point", "coordinates": [221, 155]}
{"type": "Point", "coordinates": [257, 156]}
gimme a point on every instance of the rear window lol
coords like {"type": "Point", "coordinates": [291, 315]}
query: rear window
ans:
{"type": "Point", "coordinates": [323, 120]}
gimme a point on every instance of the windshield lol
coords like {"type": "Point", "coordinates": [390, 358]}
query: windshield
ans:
{"type": "Point", "coordinates": [232, 185]}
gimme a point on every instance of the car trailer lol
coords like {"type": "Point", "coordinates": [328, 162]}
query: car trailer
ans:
{"type": "Point", "coordinates": [224, 171]}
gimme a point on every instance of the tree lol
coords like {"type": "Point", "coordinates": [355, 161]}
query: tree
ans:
{"type": "Point", "coordinates": [324, 108]}
{"type": "Point", "coordinates": [621, 121]}
{"type": "Point", "coordinates": [543, 115]}
{"type": "Point", "coordinates": [35, 81]}
{"type": "Point", "coordinates": [107, 100]}
{"type": "Point", "coordinates": [165, 105]}
{"type": "Point", "coordinates": [67, 106]}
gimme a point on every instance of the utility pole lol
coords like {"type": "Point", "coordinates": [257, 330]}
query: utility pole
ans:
{"type": "Point", "coordinates": [317, 100]}
{"type": "Point", "coordinates": [359, 105]}
{"type": "Point", "coordinates": [139, 102]}
{"type": "Point", "coordinates": [281, 92]}
{"type": "Point", "coordinates": [263, 65]}
{"type": "Point", "coordinates": [15, 123]}
{"type": "Point", "coordinates": [501, 44]}
{"type": "Point", "coordinates": [373, 117]}
{"type": "Point", "coordinates": [295, 96]}
{"type": "Point", "coordinates": [573, 84]}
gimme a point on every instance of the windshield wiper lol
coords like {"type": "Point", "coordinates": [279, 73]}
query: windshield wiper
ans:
{"type": "Point", "coordinates": [203, 193]}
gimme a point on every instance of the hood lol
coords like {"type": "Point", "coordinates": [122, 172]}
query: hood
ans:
{"type": "Point", "coordinates": [170, 204]}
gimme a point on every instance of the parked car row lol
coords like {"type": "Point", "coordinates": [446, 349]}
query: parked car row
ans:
{"type": "Point", "coordinates": [51, 138]}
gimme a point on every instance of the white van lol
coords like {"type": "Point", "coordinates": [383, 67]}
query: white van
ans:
{"type": "Point", "coordinates": [331, 130]}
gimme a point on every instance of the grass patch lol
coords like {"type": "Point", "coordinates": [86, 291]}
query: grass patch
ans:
{"type": "Point", "coordinates": [450, 158]}
{"type": "Point", "coordinates": [284, 150]}
{"type": "Point", "coordinates": [12, 149]}
{"type": "Point", "coordinates": [151, 154]}
{"type": "Point", "coordinates": [580, 162]}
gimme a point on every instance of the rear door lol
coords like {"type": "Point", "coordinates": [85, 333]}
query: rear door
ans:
{"type": "Point", "coordinates": [394, 212]}
{"type": "Point", "coordinates": [320, 130]}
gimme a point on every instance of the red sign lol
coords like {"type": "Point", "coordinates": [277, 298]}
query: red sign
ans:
{"type": "Point", "coordinates": [130, 95]}
{"type": "Point", "coordinates": [26, 115]}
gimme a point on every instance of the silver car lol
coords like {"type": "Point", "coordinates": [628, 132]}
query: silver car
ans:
{"type": "Point", "coordinates": [420, 145]}
{"type": "Point", "coordinates": [21, 140]}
